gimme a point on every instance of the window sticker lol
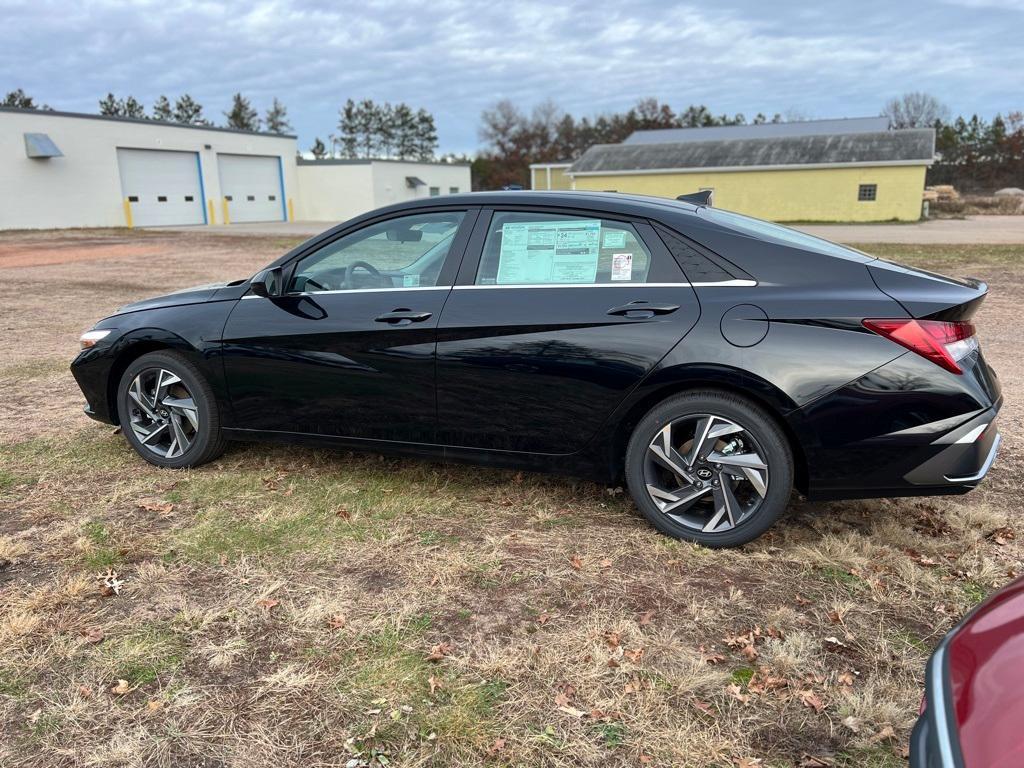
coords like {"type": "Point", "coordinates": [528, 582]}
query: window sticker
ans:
{"type": "Point", "coordinates": [615, 238]}
{"type": "Point", "coordinates": [549, 252]}
{"type": "Point", "coordinates": [622, 266]}
{"type": "Point", "coordinates": [410, 281]}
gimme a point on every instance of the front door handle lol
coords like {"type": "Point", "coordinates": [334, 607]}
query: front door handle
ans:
{"type": "Point", "coordinates": [402, 316]}
{"type": "Point", "coordinates": [641, 309]}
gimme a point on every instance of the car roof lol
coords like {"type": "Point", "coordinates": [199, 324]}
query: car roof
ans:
{"type": "Point", "coordinates": [642, 205]}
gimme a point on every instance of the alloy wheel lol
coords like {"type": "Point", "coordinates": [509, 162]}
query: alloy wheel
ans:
{"type": "Point", "coordinates": [706, 472]}
{"type": "Point", "coordinates": [164, 416]}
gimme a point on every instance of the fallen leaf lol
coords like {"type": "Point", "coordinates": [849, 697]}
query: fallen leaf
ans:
{"type": "Point", "coordinates": [737, 693]}
{"type": "Point", "coordinates": [572, 711]}
{"type": "Point", "coordinates": [634, 655]}
{"type": "Point", "coordinates": [811, 700]}
{"type": "Point", "coordinates": [576, 562]}
{"type": "Point", "coordinates": [85, 691]}
{"type": "Point", "coordinates": [834, 617]}
{"type": "Point", "coordinates": [749, 762]}
{"type": "Point", "coordinates": [337, 621]}
{"type": "Point", "coordinates": [154, 704]}
{"type": "Point", "coordinates": [836, 642]}
{"type": "Point", "coordinates": [606, 563]}
{"type": "Point", "coordinates": [155, 505]}
{"type": "Point", "coordinates": [111, 583]}
{"type": "Point", "coordinates": [846, 678]}
{"type": "Point", "coordinates": [853, 723]}
{"type": "Point", "coordinates": [704, 706]}
{"type": "Point", "coordinates": [612, 639]}
{"type": "Point", "coordinates": [1002, 536]}
{"type": "Point", "coordinates": [645, 618]}
{"type": "Point", "coordinates": [439, 651]}
{"type": "Point", "coordinates": [749, 651]}
{"type": "Point", "coordinates": [886, 734]}
{"type": "Point", "coordinates": [93, 635]}
{"type": "Point", "coordinates": [268, 603]}
{"type": "Point", "coordinates": [544, 618]}
{"type": "Point", "coordinates": [343, 513]}
{"type": "Point", "coordinates": [801, 600]}
{"type": "Point", "coordinates": [435, 684]}
{"type": "Point", "coordinates": [121, 688]}
{"type": "Point", "coordinates": [496, 747]}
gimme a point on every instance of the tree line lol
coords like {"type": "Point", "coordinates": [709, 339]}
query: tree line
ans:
{"type": "Point", "coordinates": [185, 110]}
{"type": "Point", "coordinates": [368, 129]}
{"type": "Point", "coordinates": [971, 153]}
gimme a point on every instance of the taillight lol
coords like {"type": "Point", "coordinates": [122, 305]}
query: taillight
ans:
{"type": "Point", "coordinates": [943, 342]}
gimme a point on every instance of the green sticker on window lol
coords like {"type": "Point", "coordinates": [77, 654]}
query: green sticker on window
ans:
{"type": "Point", "coordinates": [615, 238]}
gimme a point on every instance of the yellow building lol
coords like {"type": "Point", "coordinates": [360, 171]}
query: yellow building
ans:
{"type": "Point", "coordinates": [549, 176]}
{"type": "Point", "coordinates": [858, 174]}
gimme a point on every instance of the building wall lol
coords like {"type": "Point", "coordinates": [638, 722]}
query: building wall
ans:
{"type": "Point", "coordinates": [828, 194]}
{"type": "Point", "coordinates": [330, 192]}
{"type": "Point", "coordinates": [83, 188]}
{"type": "Point", "coordinates": [389, 185]}
{"type": "Point", "coordinates": [539, 178]}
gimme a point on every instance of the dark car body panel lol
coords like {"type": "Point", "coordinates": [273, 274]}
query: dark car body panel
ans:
{"type": "Point", "coordinates": [545, 378]}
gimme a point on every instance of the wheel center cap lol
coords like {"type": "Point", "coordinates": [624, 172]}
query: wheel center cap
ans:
{"type": "Point", "coordinates": [704, 473]}
{"type": "Point", "coordinates": [163, 413]}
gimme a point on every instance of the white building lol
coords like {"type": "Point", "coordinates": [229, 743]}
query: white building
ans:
{"type": "Point", "coordinates": [60, 169]}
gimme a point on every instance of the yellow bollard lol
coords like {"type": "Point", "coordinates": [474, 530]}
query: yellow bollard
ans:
{"type": "Point", "coordinates": [291, 210]}
{"type": "Point", "coordinates": [213, 219]}
{"type": "Point", "coordinates": [128, 213]}
{"type": "Point", "coordinates": [227, 218]}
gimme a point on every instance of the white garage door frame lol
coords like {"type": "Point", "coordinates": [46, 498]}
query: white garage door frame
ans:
{"type": "Point", "coordinates": [252, 187]}
{"type": "Point", "coordinates": [153, 180]}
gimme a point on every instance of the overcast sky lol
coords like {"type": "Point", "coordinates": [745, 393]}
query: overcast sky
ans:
{"type": "Point", "coordinates": [456, 57]}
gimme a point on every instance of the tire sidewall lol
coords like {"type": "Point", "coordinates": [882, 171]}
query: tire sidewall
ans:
{"type": "Point", "coordinates": [208, 417]}
{"type": "Point", "coordinates": [752, 419]}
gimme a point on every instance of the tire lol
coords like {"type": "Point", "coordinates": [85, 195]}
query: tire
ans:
{"type": "Point", "coordinates": [740, 482]}
{"type": "Point", "coordinates": [186, 410]}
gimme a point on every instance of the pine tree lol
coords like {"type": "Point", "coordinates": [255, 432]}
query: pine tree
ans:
{"type": "Point", "coordinates": [404, 132]}
{"type": "Point", "coordinates": [19, 100]}
{"type": "Point", "coordinates": [162, 110]}
{"type": "Point", "coordinates": [384, 129]}
{"type": "Point", "coordinates": [188, 111]}
{"type": "Point", "coordinates": [133, 108]}
{"type": "Point", "coordinates": [277, 118]}
{"type": "Point", "coordinates": [348, 130]}
{"type": "Point", "coordinates": [366, 127]}
{"type": "Point", "coordinates": [242, 117]}
{"type": "Point", "coordinates": [318, 149]}
{"type": "Point", "coordinates": [111, 106]}
{"type": "Point", "coordinates": [426, 135]}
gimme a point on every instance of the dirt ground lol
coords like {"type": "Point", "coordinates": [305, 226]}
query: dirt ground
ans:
{"type": "Point", "coordinates": [285, 606]}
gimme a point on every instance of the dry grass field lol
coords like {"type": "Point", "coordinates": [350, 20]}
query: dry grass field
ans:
{"type": "Point", "coordinates": [293, 607]}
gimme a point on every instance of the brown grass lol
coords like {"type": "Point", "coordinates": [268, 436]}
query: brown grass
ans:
{"type": "Point", "coordinates": [286, 606]}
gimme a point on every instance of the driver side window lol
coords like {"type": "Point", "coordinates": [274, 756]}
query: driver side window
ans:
{"type": "Point", "coordinates": [406, 252]}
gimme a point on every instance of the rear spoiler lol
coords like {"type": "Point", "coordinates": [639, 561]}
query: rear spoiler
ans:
{"type": "Point", "coordinates": [702, 198]}
{"type": "Point", "coordinates": [927, 295]}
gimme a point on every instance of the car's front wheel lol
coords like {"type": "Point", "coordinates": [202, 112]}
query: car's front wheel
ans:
{"type": "Point", "coordinates": [709, 467]}
{"type": "Point", "coordinates": [168, 412]}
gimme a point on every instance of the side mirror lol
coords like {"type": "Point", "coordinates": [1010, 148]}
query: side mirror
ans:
{"type": "Point", "coordinates": [267, 283]}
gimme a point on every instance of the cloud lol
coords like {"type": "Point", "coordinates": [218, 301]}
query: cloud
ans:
{"type": "Point", "coordinates": [456, 57]}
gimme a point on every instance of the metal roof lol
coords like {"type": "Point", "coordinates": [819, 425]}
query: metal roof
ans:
{"type": "Point", "coordinates": [142, 121]}
{"type": "Point", "coordinates": [761, 131]}
{"type": "Point", "coordinates": [907, 147]}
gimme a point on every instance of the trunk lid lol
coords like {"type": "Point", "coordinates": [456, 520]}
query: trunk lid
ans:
{"type": "Point", "coordinates": [928, 295]}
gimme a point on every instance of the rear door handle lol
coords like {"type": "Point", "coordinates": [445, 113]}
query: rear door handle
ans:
{"type": "Point", "coordinates": [402, 316]}
{"type": "Point", "coordinates": [643, 309]}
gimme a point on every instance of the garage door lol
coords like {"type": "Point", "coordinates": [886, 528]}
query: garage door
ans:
{"type": "Point", "coordinates": [251, 186]}
{"type": "Point", "coordinates": [161, 187]}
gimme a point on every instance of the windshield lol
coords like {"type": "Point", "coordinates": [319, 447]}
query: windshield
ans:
{"type": "Point", "coordinates": [767, 231]}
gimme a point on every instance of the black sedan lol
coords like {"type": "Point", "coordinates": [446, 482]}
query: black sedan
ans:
{"type": "Point", "coordinates": [713, 361]}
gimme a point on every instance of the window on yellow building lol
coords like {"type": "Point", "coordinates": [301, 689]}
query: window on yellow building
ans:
{"type": "Point", "coordinates": [867, 192]}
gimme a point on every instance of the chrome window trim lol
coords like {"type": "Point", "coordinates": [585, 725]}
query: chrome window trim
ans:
{"type": "Point", "coordinates": [360, 290]}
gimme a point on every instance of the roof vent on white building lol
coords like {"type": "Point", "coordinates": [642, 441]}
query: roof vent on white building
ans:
{"type": "Point", "coordinates": [39, 146]}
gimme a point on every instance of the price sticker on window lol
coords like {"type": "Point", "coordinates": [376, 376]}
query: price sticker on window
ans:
{"type": "Point", "coordinates": [622, 266]}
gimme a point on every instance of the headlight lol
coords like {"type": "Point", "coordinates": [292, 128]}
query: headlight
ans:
{"type": "Point", "coordinates": [89, 338]}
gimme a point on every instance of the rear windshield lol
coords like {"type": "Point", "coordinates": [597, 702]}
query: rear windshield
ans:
{"type": "Point", "coordinates": [765, 230]}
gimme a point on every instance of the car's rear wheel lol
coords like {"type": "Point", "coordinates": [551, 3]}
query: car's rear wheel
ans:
{"type": "Point", "coordinates": [709, 467]}
{"type": "Point", "coordinates": [168, 412]}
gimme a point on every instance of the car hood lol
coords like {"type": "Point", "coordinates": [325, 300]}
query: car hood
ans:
{"type": "Point", "coordinates": [195, 295]}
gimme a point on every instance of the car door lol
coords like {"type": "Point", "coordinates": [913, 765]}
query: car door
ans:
{"type": "Point", "coordinates": [348, 349]}
{"type": "Point", "coordinates": [555, 317]}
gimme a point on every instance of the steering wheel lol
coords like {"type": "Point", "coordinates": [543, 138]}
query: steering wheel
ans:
{"type": "Point", "coordinates": [374, 273]}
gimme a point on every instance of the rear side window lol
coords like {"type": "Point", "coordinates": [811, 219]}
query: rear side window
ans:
{"type": "Point", "coordinates": [554, 249]}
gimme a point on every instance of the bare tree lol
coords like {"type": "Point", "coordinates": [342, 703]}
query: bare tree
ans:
{"type": "Point", "coordinates": [915, 110]}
